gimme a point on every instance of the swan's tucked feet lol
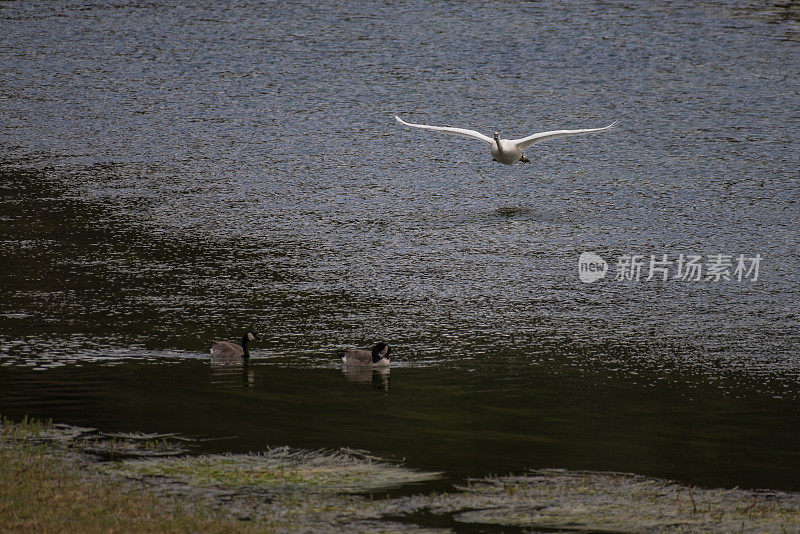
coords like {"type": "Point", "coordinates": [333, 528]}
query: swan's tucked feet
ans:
{"type": "Point", "coordinates": [523, 159]}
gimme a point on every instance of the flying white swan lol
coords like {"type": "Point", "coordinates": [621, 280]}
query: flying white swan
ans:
{"type": "Point", "coordinates": [508, 151]}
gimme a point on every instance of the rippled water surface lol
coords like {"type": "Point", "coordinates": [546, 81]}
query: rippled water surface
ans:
{"type": "Point", "coordinates": [171, 174]}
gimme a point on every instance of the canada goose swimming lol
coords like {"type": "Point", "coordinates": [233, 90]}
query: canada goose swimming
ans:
{"type": "Point", "coordinates": [508, 151]}
{"type": "Point", "coordinates": [224, 351]}
{"type": "Point", "coordinates": [378, 356]}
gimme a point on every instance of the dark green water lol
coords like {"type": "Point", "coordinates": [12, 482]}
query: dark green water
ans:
{"type": "Point", "coordinates": [176, 174]}
{"type": "Point", "coordinates": [465, 419]}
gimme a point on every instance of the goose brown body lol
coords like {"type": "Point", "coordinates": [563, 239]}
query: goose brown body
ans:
{"type": "Point", "coordinates": [378, 356]}
{"type": "Point", "coordinates": [224, 350]}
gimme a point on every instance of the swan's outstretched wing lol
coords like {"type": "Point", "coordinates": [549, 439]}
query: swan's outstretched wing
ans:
{"type": "Point", "coordinates": [459, 131]}
{"type": "Point", "coordinates": [525, 142]}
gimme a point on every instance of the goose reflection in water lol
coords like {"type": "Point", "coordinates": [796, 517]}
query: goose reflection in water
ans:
{"type": "Point", "coordinates": [227, 373]}
{"type": "Point", "coordinates": [377, 377]}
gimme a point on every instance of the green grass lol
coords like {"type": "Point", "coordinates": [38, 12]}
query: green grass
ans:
{"type": "Point", "coordinates": [279, 470]}
{"type": "Point", "coordinates": [617, 502]}
{"type": "Point", "coordinates": [52, 481]}
{"type": "Point", "coordinates": [40, 491]}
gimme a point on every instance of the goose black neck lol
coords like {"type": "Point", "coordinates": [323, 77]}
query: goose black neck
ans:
{"type": "Point", "coordinates": [245, 340]}
{"type": "Point", "coordinates": [497, 141]}
{"type": "Point", "coordinates": [380, 351]}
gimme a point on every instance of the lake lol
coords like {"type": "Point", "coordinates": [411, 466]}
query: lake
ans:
{"type": "Point", "coordinates": [174, 174]}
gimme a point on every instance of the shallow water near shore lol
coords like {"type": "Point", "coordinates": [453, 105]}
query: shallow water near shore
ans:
{"type": "Point", "coordinates": [467, 419]}
{"type": "Point", "coordinates": [174, 175]}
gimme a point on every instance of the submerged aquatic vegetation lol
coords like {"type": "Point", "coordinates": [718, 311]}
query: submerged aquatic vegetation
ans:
{"type": "Point", "coordinates": [91, 441]}
{"type": "Point", "coordinates": [619, 502]}
{"type": "Point", "coordinates": [281, 470]}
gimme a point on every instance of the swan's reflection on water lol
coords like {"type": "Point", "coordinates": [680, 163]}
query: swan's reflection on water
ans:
{"type": "Point", "coordinates": [229, 373]}
{"type": "Point", "coordinates": [378, 377]}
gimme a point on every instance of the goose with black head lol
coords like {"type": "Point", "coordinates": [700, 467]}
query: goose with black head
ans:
{"type": "Point", "coordinates": [377, 357]}
{"type": "Point", "coordinates": [226, 351]}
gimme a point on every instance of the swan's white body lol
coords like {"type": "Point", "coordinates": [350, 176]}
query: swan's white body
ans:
{"type": "Point", "coordinates": [508, 151]}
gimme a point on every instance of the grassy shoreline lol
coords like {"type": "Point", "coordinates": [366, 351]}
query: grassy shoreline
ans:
{"type": "Point", "coordinates": [49, 489]}
{"type": "Point", "coordinates": [58, 478]}
{"type": "Point", "coordinates": [71, 479]}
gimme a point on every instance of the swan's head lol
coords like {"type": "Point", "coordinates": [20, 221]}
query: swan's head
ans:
{"type": "Point", "coordinates": [496, 136]}
{"type": "Point", "coordinates": [380, 350]}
